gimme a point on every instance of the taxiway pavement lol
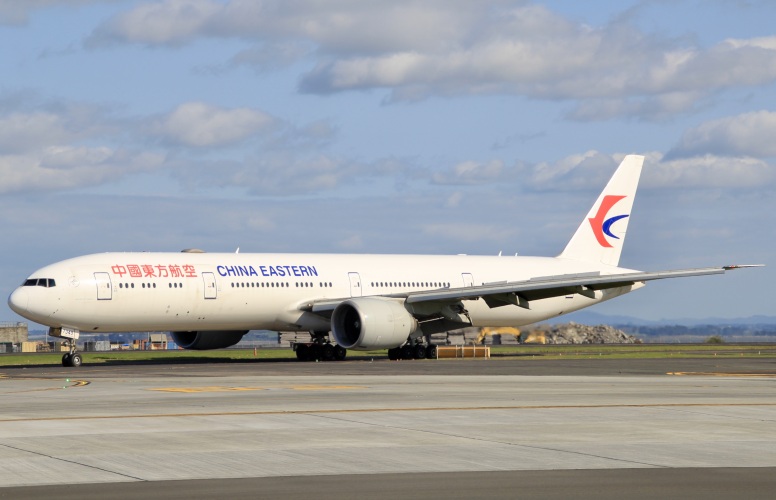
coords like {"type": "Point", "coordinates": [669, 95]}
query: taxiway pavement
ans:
{"type": "Point", "coordinates": [425, 429]}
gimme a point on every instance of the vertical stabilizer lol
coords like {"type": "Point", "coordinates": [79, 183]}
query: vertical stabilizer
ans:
{"type": "Point", "coordinates": [601, 235]}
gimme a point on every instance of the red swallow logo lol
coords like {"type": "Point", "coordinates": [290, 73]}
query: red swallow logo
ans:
{"type": "Point", "coordinates": [602, 226]}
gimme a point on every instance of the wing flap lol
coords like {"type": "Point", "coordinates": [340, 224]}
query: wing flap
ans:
{"type": "Point", "coordinates": [543, 288]}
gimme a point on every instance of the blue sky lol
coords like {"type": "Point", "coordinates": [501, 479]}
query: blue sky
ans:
{"type": "Point", "coordinates": [398, 127]}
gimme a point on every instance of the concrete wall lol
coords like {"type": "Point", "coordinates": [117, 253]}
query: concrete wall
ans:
{"type": "Point", "coordinates": [13, 332]}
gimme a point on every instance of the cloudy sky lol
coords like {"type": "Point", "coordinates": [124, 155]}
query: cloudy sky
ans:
{"type": "Point", "coordinates": [410, 126]}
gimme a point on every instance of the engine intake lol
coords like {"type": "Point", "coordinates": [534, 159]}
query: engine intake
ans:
{"type": "Point", "coordinates": [371, 323]}
{"type": "Point", "coordinates": [201, 341]}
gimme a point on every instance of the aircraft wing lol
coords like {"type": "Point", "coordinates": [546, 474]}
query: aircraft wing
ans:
{"type": "Point", "coordinates": [521, 293]}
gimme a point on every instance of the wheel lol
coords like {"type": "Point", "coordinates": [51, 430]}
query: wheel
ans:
{"type": "Point", "coordinates": [315, 352]}
{"type": "Point", "coordinates": [419, 351]}
{"type": "Point", "coordinates": [327, 352]}
{"type": "Point", "coordinates": [66, 359]}
{"type": "Point", "coordinates": [407, 352]}
{"type": "Point", "coordinates": [75, 360]}
{"type": "Point", "coordinates": [431, 352]}
{"type": "Point", "coordinates": [394, 353]}
{"type": "Point", "coordinates": [302, 352]}
{"type": "Point", "coordinates": [340, 353]}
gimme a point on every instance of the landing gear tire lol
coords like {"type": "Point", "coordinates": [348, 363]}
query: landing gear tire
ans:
{"type": "Point", "coordinates": [431, 352]}
{"type": "Point", "coordinates": [419, 351]}
{"type": "Point", "coordinates": [72, 360]}
{"type": "Point", "coordinates": [302, 352]}
{"type": "Point", "coordinates": [315, 353]}
{"type": "Point", "coordinates": [407, 352]}
{"type": "Point", "coordinates": [340, 353]}
{"type": "Point", "coordinates": [394, 353]}
{"type": "Point", "coordinates": [327, 352]}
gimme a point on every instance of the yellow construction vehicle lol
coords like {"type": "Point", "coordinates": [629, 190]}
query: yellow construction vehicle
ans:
{"type": "Point", "coordinates": [504, 330]}
{"type": "Point", "coordinates": [530, 337]}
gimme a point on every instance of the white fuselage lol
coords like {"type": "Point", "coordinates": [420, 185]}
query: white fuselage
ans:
{"type": "Point", "coordinates": [123, 292]}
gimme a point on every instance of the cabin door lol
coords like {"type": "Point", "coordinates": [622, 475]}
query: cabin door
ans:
{"type": "Point", "coordinates": [104, 290]}
{"type": "Point", "coordinates": [355, 284]}
{"type": "Point", "coordinates": [211, 292]}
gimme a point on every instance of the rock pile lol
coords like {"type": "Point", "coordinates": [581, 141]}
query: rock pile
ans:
{"type": "Point", "coordinates": [574, 333]}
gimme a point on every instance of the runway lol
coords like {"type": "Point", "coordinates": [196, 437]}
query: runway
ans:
{"type": "Point", "coordinates": [426, 429]}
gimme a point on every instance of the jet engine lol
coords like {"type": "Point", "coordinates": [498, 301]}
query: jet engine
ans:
{"type": "Point", "coordinates": [200, 341]}
{"type": "Point", "coordinates": [371, 323]}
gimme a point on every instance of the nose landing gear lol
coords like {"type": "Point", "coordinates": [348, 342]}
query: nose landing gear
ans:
{"type": "Point", "coordinates": [72, 358]}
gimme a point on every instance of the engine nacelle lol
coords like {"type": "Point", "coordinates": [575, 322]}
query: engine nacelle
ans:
{"type": "Point", "coordinates": [200, 341]}
{"type": "Point", "coordinates": [371, 323]}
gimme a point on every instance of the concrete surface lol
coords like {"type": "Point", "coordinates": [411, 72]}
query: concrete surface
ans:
{"type": "Point", "coordinates": [180, 425]}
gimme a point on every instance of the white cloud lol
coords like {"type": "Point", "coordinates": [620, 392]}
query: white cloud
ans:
{"type": "Point", "coordinates": [61, 168]}
{"type": "Point", "coordinates": [768, 42]}
{"type": "Point", "coordinates": [748, 134]}
{"type": "Point", "coordinates": [349, 26]}
{"type": "Point", "coordinates": [289, 172]}
{"type": "Point", "coordinates": [171, 22]}
{"type": "Point", "coordinates": [352, 243]}
{"type": "Point", "coordinates": [198, 124]}
{"type": "Point", "coordinates": [21, 132]}
{"type": "Point", "coordinates": [454, 200]}
{"type": "Point", "coordinates": [536, 53]}
{"type": "Point", "coordinates": [590, 171]}
{"type": "Point", "coordinates": [708, 171]}
{"type": "Point", "coordinates": [417, 48]}
{"type": "Point", "coordinates": [574, 172]}
{"type": "Point", "coordinates": [15, 12]}
{"type": "Point", "coordinates": [469, 232]}
{"type": "Point", "coordinates": [27, 126]}
{"type": "Point", "coordinates": [270, 56]}
{"type": "Point", "coordinates": [471, 172]}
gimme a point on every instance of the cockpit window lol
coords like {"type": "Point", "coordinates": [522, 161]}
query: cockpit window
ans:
{"type": "Point", "coordinates": [44, 282]}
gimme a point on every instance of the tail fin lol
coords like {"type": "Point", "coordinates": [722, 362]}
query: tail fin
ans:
{"type": "Point", "coordinates": [601, 235]}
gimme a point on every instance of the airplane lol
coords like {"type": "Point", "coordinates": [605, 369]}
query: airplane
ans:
{"type": "Point", "coordinates": [359, 302]}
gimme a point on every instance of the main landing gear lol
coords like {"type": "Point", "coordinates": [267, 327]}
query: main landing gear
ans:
{"type": "Point", "coordinates": [413, 351]}
{"type": "Point", "coordinates": [72, 358]}
{"type": "Point", "coordinates": [320, 352]}
{"type": "Point", "coordinates": [320, 349]}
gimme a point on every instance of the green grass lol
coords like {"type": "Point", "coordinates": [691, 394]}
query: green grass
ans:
{"type": "Point", "coordinates": [588, 351]}
{"type": "Point", "coordinates": [635, 351]}
{"type": "Point", "coordinates": [159, 357]}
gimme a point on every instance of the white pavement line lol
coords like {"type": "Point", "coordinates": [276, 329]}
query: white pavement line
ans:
{"type": "Point", "coordinates": [59, 459]}
{"type": "Point", "coordinates": [493, 441]}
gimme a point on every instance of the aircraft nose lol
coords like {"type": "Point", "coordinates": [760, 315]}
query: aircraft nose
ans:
{"type": "Point", "coordinates": [18, 300]}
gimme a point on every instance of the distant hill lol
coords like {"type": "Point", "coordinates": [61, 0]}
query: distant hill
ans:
{"type": "Point", "coordinates": [594, 318]}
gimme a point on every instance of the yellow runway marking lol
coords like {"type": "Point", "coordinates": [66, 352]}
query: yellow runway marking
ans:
{"type": "Point", "coordinates": [325, 387]}
{"type": "Point", "coordinates": [721, 374]}
{"type": "Point", "coordinates": [69, 383]}
{"type": "Point", "coordinates": [195, 390]}
{"type": "Point", "coordinates": [392, 410]}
